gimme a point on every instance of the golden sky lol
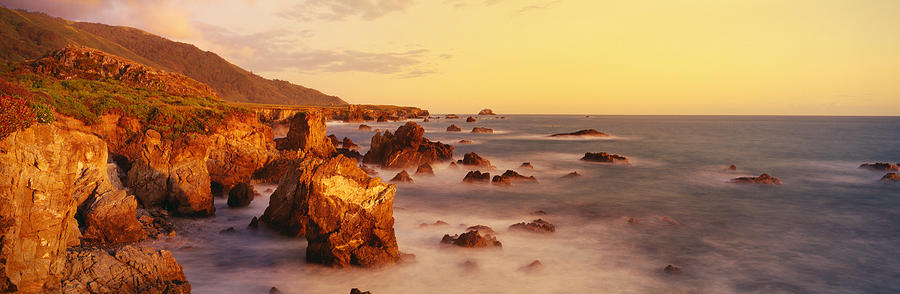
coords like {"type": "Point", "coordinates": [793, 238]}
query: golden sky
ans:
{"type": "Point", "coordinates": [816, 57]}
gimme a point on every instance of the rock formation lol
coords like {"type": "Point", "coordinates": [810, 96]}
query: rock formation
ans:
{"type": "Point", "coordinates": [307, 135]}
{"type": "Point", "coordinates": [486, 111]}
{"type": "Point", "coordinates": [480, 130]}
{"type": "Point", "coordinates": [763, 179]}
{"type": "Point", "coordinates": [881, 166]}
{"type": "Point", "coordinates": [582, 133]}
{"type": "Point", "coordinates": [348, 144]}
{"type": "Point", "coordinates": [454, 128]}
{"type": "Point", "coordinates": [890, 177]}
{"type": "Point", "coordinates": [571, 175]}
{"type": "Point", "coordinates": [526, 165]}
{"type": "Point", "coordinates": [500, 181]}
{"type": "Point", "coordinates": [534, 266]}
{"type": "Point", "coordinates": [424, 170]}
{"type": "Point", "coordinates": [514, 177]}
{"type": "Point", "coordinates": [535, 226]}
{"type": "Point", "coordinates": [672, 270]}
{"type": "Point", "coordinates": [365, 128]}
{"type": "Point", "coordinates": [474, 177]}
{"type": "Point", "coordinates": [732, 167]}
{"type": "Point", "coordinates": [128, 269]}
{"type": "Point", "coordinates": [237, 150]}
{"type": "Point", "coordinates": [471, 119]}
{"type": "Point", "coordinates": [406, 148]}
{"type": "Point", "coordinates": [451, 116]}
{"type": "Point", "coordinates": [334, 140]}
{"type": "Point", "coordinates": [481, 228]}
{"type": "Point", "coordinates": [240, 196]}
{"type": "Point", "coordinates": [464, 141]}
{"type": "Point", "coordinates": [402, 177]}
{"type": "Point", "coordinates": [472, 159]}
{"type": "Point", "coordinates": [472, 239]}
{"type": "Point", "coordinates": [606, 158]}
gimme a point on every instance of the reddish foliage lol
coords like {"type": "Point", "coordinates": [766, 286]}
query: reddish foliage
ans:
{"type": "Point", "coordinates": [14, 115]}
{"type": "Point", "coordinates": [7, 88]}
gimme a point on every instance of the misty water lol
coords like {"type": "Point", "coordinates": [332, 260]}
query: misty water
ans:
{"type": "Point", "coordinates": [830, 228]}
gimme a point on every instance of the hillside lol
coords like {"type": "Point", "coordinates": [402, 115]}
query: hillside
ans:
{"type": "Point", "coordinates": [30, 35]}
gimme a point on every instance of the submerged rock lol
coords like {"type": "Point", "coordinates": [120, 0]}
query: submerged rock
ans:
{"type": "Point", "coordinates": [477, 177]}
{"type": "Point", "coordinates": [890, 177]}
{"type": "Point", "coordinates": [471, 119]}
{"type": "Point", "coordinates": [364, 128]}
{"type": "Point", "coordinates": [535, 226]}
{"type": "Point", "coordinates": [437, 223]}
{"type": "Point", "coordinates": [763, 179]}
{"type": "Point", "coordinates": [526, 165]}
{"type": "Point", "coordinates": [571, 175]}
{"type": "Point", "coordinates": [534, 266]}
{"type": "Point", "coordinates": [671, 269]}
{"type": "Point", "coordinates": [465, 142]}
{"type": "Point", "coordinates": [474, 160]}
{"type": "Point", "coordinates": [402, 177]}
{"type": "Point", "coordinates": [514, 177]}
{"type": "Point", "coordinates": [357, 291]}
{"type": "Point", "coordinates": [454, 128]}
{"type": "Point", "coordinates": [481, 228]}
{"type": "Point", "coordinates": [480, 130]}
{"type": "Point", "coordinates": [348, 144]}
{"type": "Point", "coordinates": [486, 111]}
{"type": "Point", "coordinates": [424, 170]}
{"type": "Point", "coordinates": [606, 158]}
{"type": "Point", "coordinates": [732, 167]}
{"type": "Point", "coordinates": [472, 239]}
{"type": "Point", "coordinates": [451, 116]}
{"type": "Point", "coordinates": [406, 148]}
{"type": "Point", "coordinates": [882, 166]}
{"type": "Point", "coordinates": [240, 196]}
{"type": "Point", "coordinates": [582, 133]}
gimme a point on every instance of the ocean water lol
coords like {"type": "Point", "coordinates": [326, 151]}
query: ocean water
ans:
{"type": "Point", "coordinates": [830, 228]}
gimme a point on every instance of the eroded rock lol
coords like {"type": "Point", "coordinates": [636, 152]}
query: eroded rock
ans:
{"type": "Point", "coordinates": [763, 179]}
{"type": "Point", "coordinates": [472, 159]}
{"type": "Point", "coordinates": [402, 177]}
{"type": "Point", "coordinates": [890, 178]}
{"type": "Point", "coordinates": [606, 158]}
{"type": "Point", "coordinates": [471, 119]}
{"type": "Point", "coordinates": [240, 196]}
{"type": "Point", "coordinates": [480, 130]}
{"type": "Point", "coordinates": [472, 239]}
{"type": "Point", "coordinates": [307, 135]}
{"type": "Point", "coordinates": [454, 128]}
{"type": "Point", "coordinates": [129, 269]}
{"type": "Point", "coordinates": [535, 226]}
{"type": "Point", "coordinates": [486, 111]}
{"type": "Point", "coordinates": [582, 133]}
{"type": "Point", "coordinates": [881, 166]}
{"type": "Point", "coordinates": [406, 148]}
{"type": "Point", "coordinates": [477, 177]}
{"type": "Point", "coordinates": [424, 170]}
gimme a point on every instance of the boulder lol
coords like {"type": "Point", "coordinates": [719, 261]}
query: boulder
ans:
{"type": "Point", "coordinates": [348, 144]}
{"type": "Point", "coordinates": [881, 166]}
{"type": "Point", "coordinates": [240, 195]}
{"type": "Point", "coordinates": [890, 178]}
{"type": "Point", "coordinates": [472, 159]}
{"type": "Point", "coordinates": [129, 269]}
{"type": "Point", "coordinates": [406, 148]}
{"type": "Point", "coordinates": [365, 128]}
{"type": "Point", "coordinates": [606, 158]}
{"type": "Point", "coordinates": [334, 140]}
{"type": "Point", "coordinates": [477, 177]}
{"type": "Point", "coordinates": [526, 165]}
{"type": "Point", "coordinates": [424, 170]}
{"type": "Point", "coordinates": [671, 269]}
{"type": "Point", "coordinates": [571, 175]}
{"type": "Point", "coordinates": [514, 177]}
{"type": "Point", "coordinates": [349, 153]}
{"type": "Point", "coordinates": [582, 133]}
{"type": "Point", "coordinates": [481, 228]}
{"type": "Point", "coordinates": [535, 226]}
{"type": "Point", "coordinates": [357, 291]}
{"type": "Point", "coordinates": [480, 130]}
{"type": "Point", "coordinates": [471, 119]}
{"type": "Point", "coordinates": [732, 167]}
{"type": "Point", "coordinates": [472, 239]}
{"type": "Point", "coordinates": [486, 111]}
{"type": "Point", "coordinates": [237, 150]}
{"type": "Point", "coordinates": [454, 128]}
{"type": "Point", "coordinates": [402, 177]}
{"type": "Point", "coordinates": [500, 181]}
{"type": "Point", "coordinates": [451, 116]}
{"type": "Point", "coordinates": [763, 179]}
{"type": "Point", "coordinates": [464, 142]}
{"type": "Point", "coordinates": [307, 135]}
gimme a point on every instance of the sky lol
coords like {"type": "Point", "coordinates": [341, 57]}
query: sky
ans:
{"type": "Point", "coordinates": [715, 57]}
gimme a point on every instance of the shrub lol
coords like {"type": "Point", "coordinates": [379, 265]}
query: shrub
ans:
{"type": "Point", "coordinates": [14, 115]}
{"type": "Point", "coordinates": [43, 113]}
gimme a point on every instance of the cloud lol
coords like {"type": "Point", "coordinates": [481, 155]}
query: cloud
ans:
{"type": "Point", "coordinates": [538, 6]}
{"type": "Point", "coordinates": [465, 3]}
{"type": "Point", "coordinates": [335, 10]}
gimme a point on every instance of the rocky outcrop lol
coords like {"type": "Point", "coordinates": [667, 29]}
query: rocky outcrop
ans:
{"type": "Point", "coordinates": [128, 269]}
{"type": "Point", "coordinates": [454, 128]}
{"type": "Point", "coordinates": [402, 177]}
{"type": "Point", "coordinates": [345, 215]}
{"type": "Point", "coordinates": [464, 141]}
{"type": "Point", "coordinates": [474, 177]}
{"type": "Point", "coordinates": [480, 130]}
{"type": "Point", "coordinates": [424, 170]}
{"type": "Point", "coordinates": [437, 223]}
{"type": "Point", "coordinates": [365, 128]}
{"type": "Point", "coordinates": [881, 166]}
{"type": "Point", "coordinates": [732, 167]}
{"type": "Point", "coordinates": [672, 270]}
{"type": "Point", "coordinates": [534, 266]}
{"type": "Point", "coordinates": [582, 133]}
{"type": "Point", "coordinates": [571, 175]}
{"type": "Point", "coordinates": [535, 226]}
{"type": "Point", "coordinates": [471, 119]}
{"type": "Point", "coordinates": [526, 165]}
{"type": "Point", "coordinates": [500, 181]}
{"type": "Point", "coordinates": [451, 116]}
{"type": "Point", "coordinates": [237, 150]}
{"type": "Point", "coordinates": [307, 135]}
{"type": "Point", "coordinates": [514, 177]}
{"type": "Point", "coordinates": [486, 111]}
{"type": "Point", "coordinates": [482, 229]}
{"type": "Point", "coordinates": [357, 291]}
{"type": "Point", "coordinates": [334, 140]}
{"type": "Point", "coordinates": [348, 144]}
{"type": "Point", "coordinates": [406, 148]}
{"type": "Point", "coordinates": [240, 196]}
{"type": "Point", "coordinates": [763, 179]}
{"type": "Point", "coordinates": [472, 159]}
{"type": "Point", "coordinates": [472, 239]}
{"type": "Point", "coordinates": [890, 178]}
{"type": "Point", "coordinates": [606, 158]}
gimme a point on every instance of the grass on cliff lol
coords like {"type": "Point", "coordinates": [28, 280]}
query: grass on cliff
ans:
{"type": "Point", "coordinates": [87, 100]}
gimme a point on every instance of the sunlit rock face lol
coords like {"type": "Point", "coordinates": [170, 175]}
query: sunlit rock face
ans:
{"type": "Point", "coordinates": [129, 269]}
{"type": "Point", "coordinates": [406, 148]}
{"type": "Point", "coordinates": [307, 135]}
{"type": "Point", "coordinates": [345, 215]}
{"type": "Point", "coordinates": [237, 150]}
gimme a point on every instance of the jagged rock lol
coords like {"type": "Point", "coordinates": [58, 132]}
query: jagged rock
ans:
{"type": "Point", "coordinates": [406, 148]}
{"type": "Point", "coordinates": [606, 158]}
{"type": "Point", "coordinates": [671, 269]}
{"type": "Point", "coordinates": [354, 114]}
{"type": "Point", "coordinates": [334, 140]}
{"type": "Point", "coordinates": [237, 150]}
{"type": "Point", "coordinates": [481, 228]}
{"type": "Point", "coordinates": [732, 167]}
{"type": "Point", "coordinates": [274, 290]}
{"type": "Point", "coordinates": [526, 165]}
{"type": "Point", "coordinates": [514, 177]}
{"type": "Point", "coordinates": [437, 223]}
{"type": "Point", "coordinates": [465, 142]}
{"type": "Point", "coordinates": [454, 128]}
{"type": "Point", "coordinates": [535, 226]}
{"type": "Point", "coordinates": [349, 153]}
{"type": "Point", "coordinates": [357, 291]}
{"type": "Point", "coordinates": [571, 175]}
{"type": "Point", "coordinates": [500, 181]}
{"type": "Point", "coordinates": [370, 171]}
{"type": "Point", "coordinates": [534, 266]}
{"type": "Point", "coordinates": [307, 134]}
{"type": "Point", "coordinates": [240, 196]}
{"type": "Point", "coordinates": [402, 177]}
{"type": "Point", "coordinates": [129, 269]}
{"type": "Point", "coordinates": [424, 170]}
{"type": "Point", "coordinates": [882, 166]}
{"type": "Point", "coordinates": [365, 128]}
{"type": "Point", "coordinates": [763, 179]}
{"type": "Point", "coordinates": [348, 144]}
{"type": "Point", "coordinates": [346, 216]}
{"type": "Point", "coordinates": [472, 239]}
{"type": "Point", "coordinates": [453, 165]}
{"type": "Point", "coordinates": [277, 166]}
{"type": "Point", "coordinates": [474, 160]}
{"type": "Point", "coordinates": [480, 130]}
{"type": "Point", "coordinates": [254, 223]}
{"type": "Point", "coordinates": [486, 111]}
{"type": "Point", "coordinates": [471, 119]}
{"type": "Point", "coordinates": [477, 177]}
{"type": "Point", "coordinates": [582, 133]}
{"type": "Point", "coordinates": [890, 177]}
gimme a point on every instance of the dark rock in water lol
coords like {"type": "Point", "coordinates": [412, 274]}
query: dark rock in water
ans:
{"type": "Point", "coordinates": [480, 130]}
{"type": "Point", "coordinates": [437, 223]}
{"type": "Point", "coordinates": [254, 223]}
{"type": "Point", "coordinates": [890, 177]}
{"type": "Point", "coordinates": [669, 221]}
{"type": "Point", "coordinates": [370, 171]}
{"type": "Point", "coordinates": [763, 179]}
{"type": "Point", "coordinates": [454, 128]}
{"type": "Point", "coordinates": [464, 142]}
{"type": "Point", "coordinates": [471, 119]}
{"type": "Point", "coordinates": [671, 269]}
{"type": "Point", "coordinates": [353, 154]}
{"type": "Point", "coordinates": [884, 166]}
{"type": "Point", "coordinates": [539, 212]}
{"type": "Point", "coordinates": [526, 165]}
{"type": "Point", "coordinates": [535, 226]}
{"type": "Point", "coordinates": [570, 175]}
{"type": "Point", "coordinates": [364, 128]}
{"type": "Point", "coordinates": [472, 239]}
{"type": "Point", "coordinates": [486, 111]}
{"type": "Point", "coordinates": [402, 177]}
{"type": "Point", "coordinates": [732, 167]}
{"type": "Point", "coordinates": [348, 144]}
{"type": "Point", "coordinates": [582, 133]}
{"type": "Point", "coordinates": [472, 159]}
{"type": "Point", "coordinates": [481, 228]}
{"type": "Point", "coordinates": [357, 291]}
{"type": "Point", "coordinates": [632, 221]}
{"type": "Point", "coordinates": [534, 266]}
{"type": "Point", "coordinates": [477, 177]}
{"type": "Point", "coordinates": [228, 230]}
{"type": "Point", "coordinates": [512, 176]}
{"type": "Point", "coordinates": [240, 195]}
{"type": "Point", "coordinates": [424, 170]}
{"type": "Point", "coordinates": [469, 265]}
{"type": "Point", "coordinates": [426, 120]}
{"type": "Point", "coordinates": [334, 140]}
{"type": "Point", "coordinates": [453, 165]}
{"type": "Point", "coordinates": [606, 158]}
{"type": "Point", "coordinates": [500, 181]}
{"type": "Point", "coordinates": [406, 148]}
{"type": "Point", "coordinates": [274, 290]}
{"type": "Point", "coordinates": [451, 116]}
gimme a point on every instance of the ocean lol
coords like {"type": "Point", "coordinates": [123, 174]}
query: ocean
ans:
{"type": "Point", "coordinates": [830, 228]}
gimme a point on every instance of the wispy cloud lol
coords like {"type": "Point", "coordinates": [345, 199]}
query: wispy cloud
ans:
{"type": "Point", "coordinates": [465, 3]}
{"type": "Point", "coordinates": [335, 10]}
{"type": "Point", "coordinates": [538, 6]}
